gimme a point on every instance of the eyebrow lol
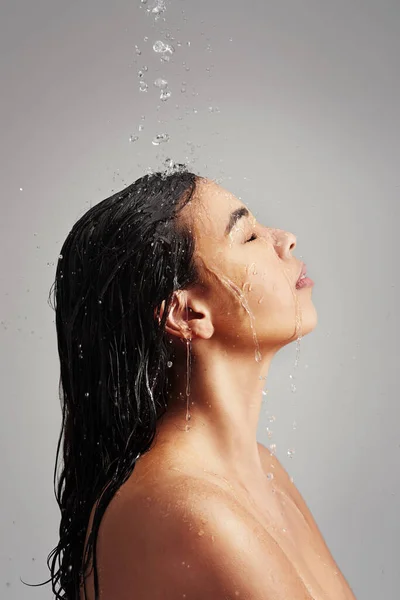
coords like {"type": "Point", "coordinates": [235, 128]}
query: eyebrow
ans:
{"type": "Point", "coordinates": [234, 217]}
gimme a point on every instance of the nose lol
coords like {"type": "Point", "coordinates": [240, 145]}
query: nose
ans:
{"type": "Point", "coordinates": [285, 242]}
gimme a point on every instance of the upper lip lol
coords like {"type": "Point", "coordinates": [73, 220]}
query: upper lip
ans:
{"type": "Point", "coordinates": [302, 272]}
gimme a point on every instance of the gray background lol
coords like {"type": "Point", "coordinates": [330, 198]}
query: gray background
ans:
{"type": "Point", "coordinates": [305, 130]}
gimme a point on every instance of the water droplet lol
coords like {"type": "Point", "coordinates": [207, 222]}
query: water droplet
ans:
{"type": "Point", "coordinates": [161, 83]}
{"type": "Point", "coordinates": [20, 189]}
{"type": "Point", "coordinates": [293, 388]}
{"type": "Point", "coordinates": [138, 52]}
{"type": "Point", "coordinates": [291, 452]}
{"type": "Point", "coordinates": [264, 392]}
{"type": "Point", "coordinates": [87, 394]}
{"type": "Point", "coordinates": [160, 48]}
{"type": "Point", "coordinates": [143, 1]}
{"type": "Point", "coordinates": [169, 364]}
{"type": "Point", "coordinates": [158, 8]}
{"type": "Point", "coordinates": [141, 127]}
{"type": "Point", "coordinates": [272, 418]}
{"type": "Point", "coordinates": [133, 138]}
{"type": "Point", "coordinates": [143, 86]}
{"type": "Point", "coordinates": [165, 95]}
{"type": "Point", "coordinates": [294, 425]}
{"type": "Point", "coordinates": [272, 447]}
{"type": "Point", "coordinates": [270, 476]}
{"type": "Point", "coordinates": [160, 139]}
{"type": "Point", "coordinates": [140, 74]}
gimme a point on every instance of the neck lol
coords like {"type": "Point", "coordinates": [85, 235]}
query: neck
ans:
{"type": "Point", "coordinates": [224, 405]}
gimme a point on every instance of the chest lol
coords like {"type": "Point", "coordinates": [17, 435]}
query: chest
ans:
{"type": "Point", "coordinates": [282, 513]}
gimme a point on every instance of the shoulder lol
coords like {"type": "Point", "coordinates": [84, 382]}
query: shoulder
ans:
{"type": "Point", "coordinates": [197, 540]}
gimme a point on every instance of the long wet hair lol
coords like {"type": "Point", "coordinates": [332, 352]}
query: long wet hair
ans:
{"type": "Point", "coordinates": [122, 258]}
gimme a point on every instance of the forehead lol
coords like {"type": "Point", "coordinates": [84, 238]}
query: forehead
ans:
{"type": "Point", "coordinates": [210, 210]}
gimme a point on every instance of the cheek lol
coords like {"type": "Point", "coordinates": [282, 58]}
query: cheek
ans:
{"type": "Point", "coordinates": [270, 288]}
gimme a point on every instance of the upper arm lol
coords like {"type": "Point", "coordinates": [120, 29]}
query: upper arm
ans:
{"type": "Point", "coordinates": [200, 548]}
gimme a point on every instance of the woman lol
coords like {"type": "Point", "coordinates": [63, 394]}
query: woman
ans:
{"type": "Point", "coordinates": [171, 301]}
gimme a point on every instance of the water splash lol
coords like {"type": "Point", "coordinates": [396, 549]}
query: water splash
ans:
{"type": "Point", "coordinates": [157, 9]}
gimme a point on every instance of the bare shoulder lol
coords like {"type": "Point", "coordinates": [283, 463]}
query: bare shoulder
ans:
{"type": "Point", "coordinates": [191, 539]}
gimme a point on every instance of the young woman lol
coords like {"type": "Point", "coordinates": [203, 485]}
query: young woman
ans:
{"type": "Point", "coordinates": [171, 301]}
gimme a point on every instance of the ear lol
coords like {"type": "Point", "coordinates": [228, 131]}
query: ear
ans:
{"type": "Point", "coordinates": [188, 317]}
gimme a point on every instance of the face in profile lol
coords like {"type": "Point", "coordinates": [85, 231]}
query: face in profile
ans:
{"type": "Point", "coordinates": [249, 274]}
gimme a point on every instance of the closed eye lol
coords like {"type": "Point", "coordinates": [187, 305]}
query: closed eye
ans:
{"type": "Point", "coordinates": [253, 237]}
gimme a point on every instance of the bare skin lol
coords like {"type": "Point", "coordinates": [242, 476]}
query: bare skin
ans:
{"type": "Point", "coordinates": [273, 505]}
{"type": "Point", "coordinates": [215, 455]}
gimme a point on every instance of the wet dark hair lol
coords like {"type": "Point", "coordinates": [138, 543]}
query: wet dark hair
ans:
{"type": "Point", "coordinates": [122, 258]}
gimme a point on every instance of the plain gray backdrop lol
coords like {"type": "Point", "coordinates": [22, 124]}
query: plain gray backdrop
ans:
{"type": "Point", "coordinates": [292, 106]}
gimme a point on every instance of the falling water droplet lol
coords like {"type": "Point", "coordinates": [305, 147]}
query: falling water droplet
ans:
{"type": "Point", "coordinates": [169, 364]}
{"type": "Point", "coordinates": [143, 86]}
{"type": "Point", "coordinates": [272, 447]}
{"type": "Point", "coordinates": [159, 8]}
{"type": "Point", "coordinates": [161, 83]}
{"type": "Point", "coordinates": [133, 138]}
{"type": "Point", "coordinates": [165, 94]}
{"type": "Point", "coordinates": [159, 47]}
{"type": "Point", "coordinates": [270, 476]}
{"type": "Point", "coordinates": [291, 452]}
{"type": "Point", "coordinates": [265, 392]}
{"type": "Point", "coordinates": [138, 51]}
{"type": "Point", "coordinates": [160, 139]}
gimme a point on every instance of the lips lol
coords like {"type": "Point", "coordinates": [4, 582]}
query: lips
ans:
{"type": "Point", "coordinates": [302, 272]}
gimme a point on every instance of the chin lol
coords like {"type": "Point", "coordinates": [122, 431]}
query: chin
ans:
{"type": "Point", "coordinates": [309, 319]}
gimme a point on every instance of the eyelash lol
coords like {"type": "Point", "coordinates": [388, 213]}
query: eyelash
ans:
{"type": "Point", "coordinates": [253, 237]}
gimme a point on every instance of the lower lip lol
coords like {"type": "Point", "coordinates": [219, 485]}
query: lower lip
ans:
{"type": "Point", "coordinates": [303, 283]}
